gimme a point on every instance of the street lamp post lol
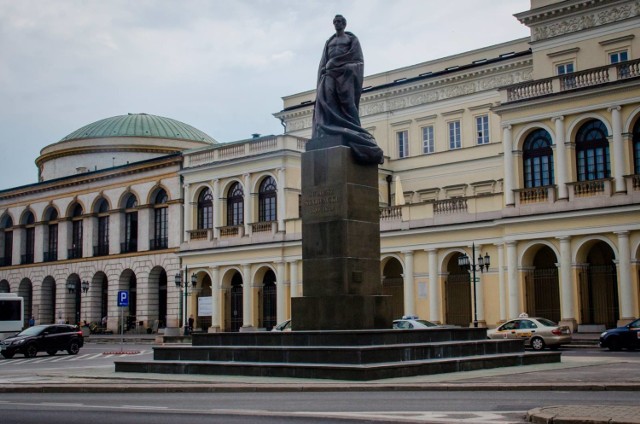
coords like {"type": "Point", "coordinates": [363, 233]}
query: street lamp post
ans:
{"type": "Point", "coordinates": [463, 262]}
{"type": "Point", "coordinates": [71, 288]}
{"type": "Point", "coordinates": [185, 286]}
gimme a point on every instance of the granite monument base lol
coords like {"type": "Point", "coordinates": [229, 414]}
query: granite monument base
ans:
{"type": "Point", "coordinates": [342, 288]}
{"type": "Point", "coordinates": [353, 312]}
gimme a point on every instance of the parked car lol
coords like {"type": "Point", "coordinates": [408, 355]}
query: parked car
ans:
{"type": "Point", "coordinates": [537, 333]}
{"type": "Point", "coordinates": [43, 338]}
{"type": "Point", "coordinates": [409, 322]}
{"type": "Point", "coordinates": [283, 326]}
{"type": "Point", "coordinates": [627, 336]}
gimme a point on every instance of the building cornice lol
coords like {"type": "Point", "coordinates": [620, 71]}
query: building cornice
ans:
{"type": "Point", "coordinates": [93, 176]}
{"type": "Point", "coordinates": [576, 15]}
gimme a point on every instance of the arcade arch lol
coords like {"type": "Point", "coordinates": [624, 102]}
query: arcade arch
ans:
{"type": "Point", "coordinates": [457, 293]}
{"type": "Point", "coordinates": [393, 284]}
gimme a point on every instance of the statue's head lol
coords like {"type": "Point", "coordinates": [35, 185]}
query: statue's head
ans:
{"type": "Point", "coordinates": [339, 22]}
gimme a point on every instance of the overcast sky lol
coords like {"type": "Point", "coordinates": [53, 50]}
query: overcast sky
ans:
{"type": "Point", "coordinates": [221, 66]}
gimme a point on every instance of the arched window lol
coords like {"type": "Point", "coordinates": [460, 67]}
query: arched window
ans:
{"type": "Point", "coordinates": [51, 236]}
{"type": "Point", "coordinates": [537, 157]}
{"type": "Point", "coordinates": [267, 200]}
{"type": "Point", "coordinates": [76, 233]}
{"type": "Point", "coordinates": [235, 205]}
{"type": "Point", "coordinates": [205, 209]}
{"type": "Point", "coordinates": [102, 209]}
{"type": "Point", "coordinates": [160, 222]}
{"type": "Point", "coordinates": [28, 220]}
{"type": "Point", "coordinates": [6, 224]}
{"type": "Point", "coordinates": [592, 152]}
{"type": "Point", "coordinates": [130, 243]}
{"type": "Point", "coordinates": [636, 147]}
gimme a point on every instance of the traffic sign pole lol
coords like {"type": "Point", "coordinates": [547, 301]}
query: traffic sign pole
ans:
{"type": "Point", "coordinates": [123, 301]}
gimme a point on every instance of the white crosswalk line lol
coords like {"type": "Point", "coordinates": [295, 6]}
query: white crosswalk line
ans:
{"type": "Point", "coordinates": [61, 358]}
{"type": "Point", "coordinates": [75, 358]}
{"type": "Point", "coordinates": [45, 359]}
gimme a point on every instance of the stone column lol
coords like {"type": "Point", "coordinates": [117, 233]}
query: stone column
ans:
{"type": "Point", "coordinates": [502, 286]}
{"type": "Point", "coordinates": [281, 199]}
{"type": "Point", "coordinates": [295, 286]}
{"type": "Point", "coordinates": [434, 287]}
{"type": "Point", "coordinates": [512, 278]}
{"type": "Point", "coordinates": [89, 235]}
{"type": "Point", "coordinates": [409, 289]}
{"type": "Point", "coordinates": [618, 150]}
{"type": "Point", "coordinates": [174, 215]}
{"type": "Point", "coordinates": [145, 228]}
{"type": "Point", "coordinates": [38, 242]}
{"type": "Point", "coordinates": [508, 165]}
{"type": "Point", "coordinates": [566, 284]}
{"type": "Point", "coordinates": [247, 297]}
{"type": "Point", "coordinates": [187, 213]}
{"type": "Point", "coordinates": [217, 208]}
{"type": "Point", "coordinates": [115, 232]}
{"type": "Point", "coordinates": [215, 300]}
{"type": "Point", "coordinates": [248, 203]}
{"type": "Point", "coordinates": [624, 277]}
{"type": "Point", "coordinates": [64, 234]}
{"type": "Point", "coordinates": [561, 164]}
{"type": "Point", "coordinates": [281, 299]}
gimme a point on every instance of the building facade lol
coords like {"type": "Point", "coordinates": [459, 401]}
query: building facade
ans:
{"type": "Point", "coordinates": [102, 219]}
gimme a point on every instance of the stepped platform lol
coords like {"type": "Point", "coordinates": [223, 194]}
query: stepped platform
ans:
{"type": "Point", "coordinates": [343, 355]}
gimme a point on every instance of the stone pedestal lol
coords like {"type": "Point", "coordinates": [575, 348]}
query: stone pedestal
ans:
{"type": "Point", "coordinates": [340, 243]}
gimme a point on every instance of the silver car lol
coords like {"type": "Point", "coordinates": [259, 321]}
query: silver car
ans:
{"type": "Point", "coordinates": [537, 333]}
{"type": "Point", "coordinates": [412, 323]}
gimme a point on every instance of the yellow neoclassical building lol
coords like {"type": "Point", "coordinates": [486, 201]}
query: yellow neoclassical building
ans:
{"type": "Point", "coordinates": [526, 153]}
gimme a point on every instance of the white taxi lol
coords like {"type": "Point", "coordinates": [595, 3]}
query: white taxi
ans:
{"type": "Point", "coordinates": [537, 333]}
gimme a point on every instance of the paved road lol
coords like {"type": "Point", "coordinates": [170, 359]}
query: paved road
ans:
{"type": "Point", "coordinates": [585, 377]}
{"type": "Point", "coordinates": [419, 407]}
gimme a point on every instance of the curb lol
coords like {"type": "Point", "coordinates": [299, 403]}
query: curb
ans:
{"type": "Point", "coordinates": [593, 414]}
{"type": "Point", "coordinates": [141, 386]}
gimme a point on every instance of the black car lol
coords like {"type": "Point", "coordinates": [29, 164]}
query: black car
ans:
{"type": "Point", "coordinates": [43, 338]}
{"type": "Point", "coordinates": [627, 336]}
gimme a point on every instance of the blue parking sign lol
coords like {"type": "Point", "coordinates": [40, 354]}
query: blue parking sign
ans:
{"type": "Point", "coordinates": [123, 298]}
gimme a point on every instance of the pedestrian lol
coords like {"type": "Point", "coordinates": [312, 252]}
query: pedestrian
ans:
{"type": "Point", "coordinates": [32, 321]}
{"type": "Point", "coordinates": [191, 322]}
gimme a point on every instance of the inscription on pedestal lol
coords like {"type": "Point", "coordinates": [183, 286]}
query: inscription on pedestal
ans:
{"type": "Point", "coordinates": [319, 203]}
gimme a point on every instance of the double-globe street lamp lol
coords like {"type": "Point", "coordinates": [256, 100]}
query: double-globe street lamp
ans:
{"type": "Point", "coordinates": [183, 305]}
{"type": "Point", "coordinates": [463, 263]}
{"type": "Point", "coordinates": [71, 288]}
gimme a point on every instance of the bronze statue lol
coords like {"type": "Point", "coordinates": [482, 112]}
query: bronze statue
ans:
{"type": "Point", "coordinates": [340, 77]}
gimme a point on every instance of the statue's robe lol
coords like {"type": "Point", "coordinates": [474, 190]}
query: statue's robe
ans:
{"type": "Point", "coordinates": [338, 100]}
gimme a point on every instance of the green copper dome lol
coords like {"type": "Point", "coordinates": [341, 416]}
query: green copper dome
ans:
{"type": "Point", "coordinates": [140, 125]}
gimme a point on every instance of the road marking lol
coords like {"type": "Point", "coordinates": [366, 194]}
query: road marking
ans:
{"type": "Point", "coordinates": [60, 404]}
{"type": "Point", "coordinates": [42, 360]}
{"type": "Point", "coordinates": [80, 357]}
{"type": "Point", "coordinates": [143, 407]}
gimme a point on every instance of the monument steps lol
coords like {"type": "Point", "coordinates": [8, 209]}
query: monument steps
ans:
{"type": "Point", "coordinates": [338, 354]}
{"type": "Point", "coordinates": [348, 372]}
{"type": "Point", "coordinates": [343, 355]}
